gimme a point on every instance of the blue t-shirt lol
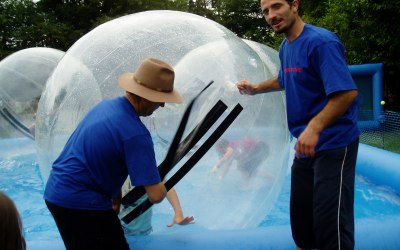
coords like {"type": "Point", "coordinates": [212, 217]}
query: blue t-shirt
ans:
{"type": "Point", "coordinates": [109, 143]}
{"type": "Point", "coordinates": [313, 67]}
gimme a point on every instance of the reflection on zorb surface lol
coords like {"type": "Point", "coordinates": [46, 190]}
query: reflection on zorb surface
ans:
{"type": "Point", "coordinates": [23, 76]}
{"type": "Point", "coordinates": [200, 50]}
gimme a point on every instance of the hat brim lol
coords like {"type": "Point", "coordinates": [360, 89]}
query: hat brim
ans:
{"type": "Point", "coordinates": [127, 82]}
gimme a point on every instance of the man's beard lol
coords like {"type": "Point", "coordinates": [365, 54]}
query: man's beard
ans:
{"type": "Point", "coordinates": [285, 28]}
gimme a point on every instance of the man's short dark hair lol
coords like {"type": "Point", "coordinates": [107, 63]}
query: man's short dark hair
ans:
{"type": "Point", "coordinates": [290, 2]}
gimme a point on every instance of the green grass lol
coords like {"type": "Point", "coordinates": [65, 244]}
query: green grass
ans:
{"type": "Point", "coordinates": [388, 140]}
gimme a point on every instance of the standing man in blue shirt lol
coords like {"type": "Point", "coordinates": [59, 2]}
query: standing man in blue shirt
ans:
{"type": "Point", "coordinates": [108, 144]}
{"type": "Point", "coordinates": [322, 115]}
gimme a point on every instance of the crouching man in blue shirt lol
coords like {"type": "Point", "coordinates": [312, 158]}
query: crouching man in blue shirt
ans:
{"type": "Point", "coordinates": [108, 144]}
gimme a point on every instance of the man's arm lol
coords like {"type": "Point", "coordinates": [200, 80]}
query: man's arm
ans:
{"type": "Point", "coordinates": [337, 105]}
{"type": "Point", "coordinates": [245, 87]}
{"type": "Point", "coordinates": [156, 192]}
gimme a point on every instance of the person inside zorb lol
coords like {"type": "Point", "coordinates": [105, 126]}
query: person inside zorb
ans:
{"type": "Point", "coordinates": [249, 153]}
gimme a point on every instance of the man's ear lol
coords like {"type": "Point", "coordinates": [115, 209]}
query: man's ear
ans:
{"type": "Point", "coordinates": [295, 5]}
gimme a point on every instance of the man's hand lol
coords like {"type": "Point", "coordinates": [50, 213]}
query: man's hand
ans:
{"type": "Point", "coordinates": [245, 87]}
{"type": "Point", "coordinates": [307, 142]}
{"type": "Point", "coordinates": [116, 203]}
{"type": "Point", "coordinates": [337, 105]}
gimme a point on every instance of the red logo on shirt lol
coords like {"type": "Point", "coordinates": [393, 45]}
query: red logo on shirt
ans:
{"type": "Point", "coordinates": [295, 70]}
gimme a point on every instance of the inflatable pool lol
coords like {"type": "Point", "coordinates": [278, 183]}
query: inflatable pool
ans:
{"type": "Point", "coordinates": [377, 209]}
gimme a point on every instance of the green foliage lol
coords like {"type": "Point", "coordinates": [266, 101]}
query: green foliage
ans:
{"type": "Point", "coordinates": [14, 16]}
{"type": "Point", "coordinates": [24, 25]}
{"type": "Point", "coordinates": [367, 28]}
{"type": "Point", "coordinates": [244, 18]}
{"type": "Point", "coordinates": [369, 32]}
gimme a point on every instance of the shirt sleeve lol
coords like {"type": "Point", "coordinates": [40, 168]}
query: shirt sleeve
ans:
{"type": "Point", "coordinates": [333, 69]}
{"type": "Point", "coordinates": [140, 160]}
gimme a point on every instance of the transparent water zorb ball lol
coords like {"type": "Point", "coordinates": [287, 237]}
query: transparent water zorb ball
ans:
{"type": "Point", "coordinates": [200, 50]}
{"type": "Point", "coordinates": [23, 76]}
{"type": "Point", "coordinates": [268, 55]}
{"type": "Point", "coordinates": [70, 92]}
{"type": "Point", "coordinates": [244, 189]}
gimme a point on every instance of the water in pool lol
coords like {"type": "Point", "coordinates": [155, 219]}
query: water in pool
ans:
{"type": "Point", "coordinates": [20, 179]}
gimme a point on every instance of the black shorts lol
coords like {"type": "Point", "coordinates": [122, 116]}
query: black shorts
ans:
{"type": "Point", "coordinates": [88, 229]}
{"type": "Point", "coordinates": [322, 199]}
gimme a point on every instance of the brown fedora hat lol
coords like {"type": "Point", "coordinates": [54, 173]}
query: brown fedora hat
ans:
{"type": "Point", "coordinates": [153, 80]}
